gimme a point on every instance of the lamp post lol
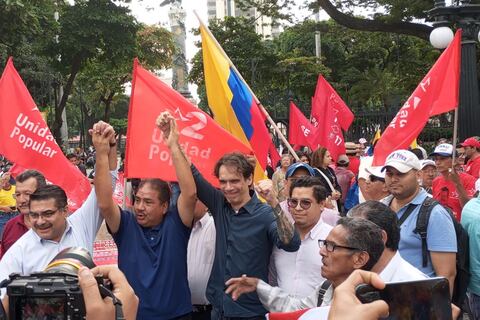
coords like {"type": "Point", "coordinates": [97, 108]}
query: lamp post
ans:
{"type": "Point", "coordinates": [462, 14]}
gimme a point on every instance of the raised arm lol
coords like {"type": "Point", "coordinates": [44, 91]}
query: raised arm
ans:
{"type": "Point", "coordinates": [285, 228]}
{"type": "Point", "coordinates": [188, 191]}
{"type": "Point", "coordinates": [102, 134]}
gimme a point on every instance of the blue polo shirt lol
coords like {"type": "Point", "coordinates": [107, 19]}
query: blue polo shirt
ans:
{"type": "Point", "coordinates": [441, 235]}
{"type": "Point", "coordinates": [244, 243]}
{"type": "Point", "coordinates": [154, 261]}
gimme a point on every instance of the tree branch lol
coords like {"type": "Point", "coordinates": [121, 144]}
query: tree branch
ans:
{"type": "Point", "coordinates": [419, 30]}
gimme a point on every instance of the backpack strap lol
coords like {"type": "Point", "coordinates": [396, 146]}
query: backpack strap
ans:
{"type": "Point", "coordinates": [407, 213]}
{"type": "Point", "coordinates": [321, 292]}
{"type": "Point", "coordinates": [422, 225]}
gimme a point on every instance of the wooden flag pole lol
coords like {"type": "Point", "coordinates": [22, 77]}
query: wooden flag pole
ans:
{"type": "Point", "coordinates": [454, 142]}
{"type": "Point", "coordinates": [270, 120]}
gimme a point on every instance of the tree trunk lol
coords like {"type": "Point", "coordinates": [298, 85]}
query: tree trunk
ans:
{"type": "Point", "coordinates": [419, 30]}
{"type": "Point", "coordinates": [67, 90]}
{"type": "Point", "coordinates": [108, 104]}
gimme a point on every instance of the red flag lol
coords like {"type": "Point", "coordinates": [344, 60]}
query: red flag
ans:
{"type": "Point", "coordinates": [436, 93]}
{"type": "Point", "coordinates": [326, 97]}
{"type": "Point", "coordinates": [274, 156]}
{"type": "Point", "coordinates": [300, 131]}
{"type": "Point", "coordinates": [27, 141]}
{"type": "Point", "coordinates": [202, 139]}
{"type": "Point", "coordinates": [328, 108]}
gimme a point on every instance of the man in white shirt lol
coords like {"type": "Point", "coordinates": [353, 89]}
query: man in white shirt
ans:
{"type": "Point", "coordinates": [352, 244]}
{"type": "Point", "coordinates": [52, 229]}
{"type": "Point", "coordinates": [297, 272]}
{"type": "Point", "coordinates": [200, 255]}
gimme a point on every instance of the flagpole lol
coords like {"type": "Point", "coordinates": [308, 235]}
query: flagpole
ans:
{"type": "Point", "coordinates": [270, 120]}
{"type": "Point", "coordinates": [455, 130]}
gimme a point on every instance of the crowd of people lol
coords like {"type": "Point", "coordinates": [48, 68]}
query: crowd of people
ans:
{"type": "Point", "coordinates": [304, 239]}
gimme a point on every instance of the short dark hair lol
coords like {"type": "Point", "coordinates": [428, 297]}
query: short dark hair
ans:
{"type": "Point", "coordinates": [50, 191]}
{"type": "Point", "coordinates": [163, 188]}
{"type": "Point", "coordinates": [71, 155]}
{"type": "Point", "coordinates": [319, 191]}
{"type": "Point", "coordinates": [382, 216]}
{"type": "Point", "coordinates": [236, 160]}
{"type": "Point", "coordinates": [364, 235]}
{"type": "Point", "coordinates": [27, 174]}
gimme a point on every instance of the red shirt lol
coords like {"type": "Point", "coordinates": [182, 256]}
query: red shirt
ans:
{"type": "Point", "coordinates": [13, 230]}
{"type": "Point", "coordinates": [473, 167]}
{"type": "Point", "coordinates": [444, 191]}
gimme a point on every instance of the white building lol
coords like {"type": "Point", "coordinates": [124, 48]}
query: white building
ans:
{"type": "Point", "coordinates": [219, 9]}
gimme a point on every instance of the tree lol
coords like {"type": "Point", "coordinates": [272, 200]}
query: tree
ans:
{"type": "Point", "coordinates": [90, 30]}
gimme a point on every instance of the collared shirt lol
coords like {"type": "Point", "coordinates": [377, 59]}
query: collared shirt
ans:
{"type": "Point", "coordinates": [445, 192]}
{"type": "Point", "coordinates": [277, 300]}
{"type": "Point", "coordinates": [13, 230]}
{"type": "Point", "coordinates": [471, 223]}
{"type": "Point", "coordinates": [244, 242]}
{"type": "Point", "coordinates": [298, 273]}
{"type": "Point", "coordinates": [200, 254]}
{"type": "Point", "coordinates": [31, 253]}
{"type": "Point", "coordinates": [154, 261]}
{"type": "Point", "coordinates": [441, 236]}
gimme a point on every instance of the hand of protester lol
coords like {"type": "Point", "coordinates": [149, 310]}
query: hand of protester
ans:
{"type": "Point", "coordinates": [453, 176]}
{"type": "Point", "coordinates": [102, 136]}
{"type": "Point", "coordinates": [265, 189]}
{"type": "Point", "coordinates": [98, 308]}
{"type": "Point", "coordinates": [328, 203]}
{"type": "Point", "coordinates": [336, 195]}
{"type": "Point", "coordinates": [167, 124]}
{"type": "Point", "coordinates": [345, 304]}
{"type": "Point", "coordinates": [239, 286]}
{"type": "Point", "coordinates": [5, 209]}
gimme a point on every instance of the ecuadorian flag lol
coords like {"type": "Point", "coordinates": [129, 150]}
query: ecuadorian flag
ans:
{"type": "Point", "coordinates": [232, 103]}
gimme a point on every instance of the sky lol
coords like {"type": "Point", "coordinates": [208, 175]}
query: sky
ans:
{"type": "Point", "coordinates": [150, 12]}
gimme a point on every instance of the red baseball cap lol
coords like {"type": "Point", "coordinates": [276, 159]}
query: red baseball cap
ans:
{"type": "Point", "coordinates": [471, 142]}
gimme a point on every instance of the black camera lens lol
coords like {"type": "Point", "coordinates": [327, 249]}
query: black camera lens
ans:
{"type": "Point", "coordinates": [70, 260]}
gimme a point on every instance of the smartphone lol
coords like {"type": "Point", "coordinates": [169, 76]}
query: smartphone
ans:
{"type": "Point", "coordinates": [421, 299]}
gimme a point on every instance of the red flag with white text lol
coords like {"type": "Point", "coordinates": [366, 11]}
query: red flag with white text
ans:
{"type": "Point", "coordinates": [300, 131]}
{"type": "Point", "coordinates": [28, 142]}
{"type": "Point", "coordinates": [202, 139]}
{"type": "Point", "coordinates": [327, 110]}
{"type": "Point", "coordinates": [326, 97]}
{"type": "Point", "coordinates": [437, 93]}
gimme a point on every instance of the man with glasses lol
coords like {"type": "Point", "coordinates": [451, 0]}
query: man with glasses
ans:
{"type": "Point", "coordinates": [26, 183]}
{"type": "Point", "coordinates": [428, 172]}
{"type": "Point", "coordinates": [402, 175]}
{"type": "Point", "coordinates": [352, 244]}
{"type": "Point", "coordinates": [297, 272]}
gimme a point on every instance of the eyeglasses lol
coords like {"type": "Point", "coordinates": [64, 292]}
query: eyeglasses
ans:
{"type": "Point", "coordinates": [375, 178]}
{"type": "Point", "coordinates": [331, 246]}
{"type": "Point", "coordinates": [305, 204]}
{"type": "Point", "coordinates": [45, 215]}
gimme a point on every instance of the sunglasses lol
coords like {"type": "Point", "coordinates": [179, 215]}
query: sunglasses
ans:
{"type": "Point", "coordinates": [305, 204]}
{"type": "Point", "coordinates": [375, 178]}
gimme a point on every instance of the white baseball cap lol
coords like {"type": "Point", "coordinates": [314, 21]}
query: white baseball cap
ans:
{"type": "Point", "coordinates": [376, 171]}
{"type": "Point", "coordinates": [428, 162]}
{"type": "Point", "coordinates": [403, 161]}
{"type": "Point", "coordinates": [443, 149]}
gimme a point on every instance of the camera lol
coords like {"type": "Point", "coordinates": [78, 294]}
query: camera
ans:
{"type": "Point", "coordinates": [55, 292]}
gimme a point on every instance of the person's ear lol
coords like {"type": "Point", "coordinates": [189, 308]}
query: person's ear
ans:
{"type": "Point", "coordinates": [384, 237]}
{"type": "Point", "coordinates": [360, 259]}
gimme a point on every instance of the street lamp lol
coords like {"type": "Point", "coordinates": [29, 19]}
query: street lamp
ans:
{"type": "Point", "coordinates": [462, 14]}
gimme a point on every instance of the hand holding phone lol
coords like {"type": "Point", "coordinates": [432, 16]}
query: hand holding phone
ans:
{"type": "Point", "coordinates": [422, 299]}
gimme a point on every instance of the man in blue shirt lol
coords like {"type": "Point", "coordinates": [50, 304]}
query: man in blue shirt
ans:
{"type": "Point", "coordinates": [247, 230]}
{"type": "Point", "coordinates": [402, 175]}
{"type": "Point", "coordinates": [471, 223]}
{"type": "Point", "coordinates": [152, 241]}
